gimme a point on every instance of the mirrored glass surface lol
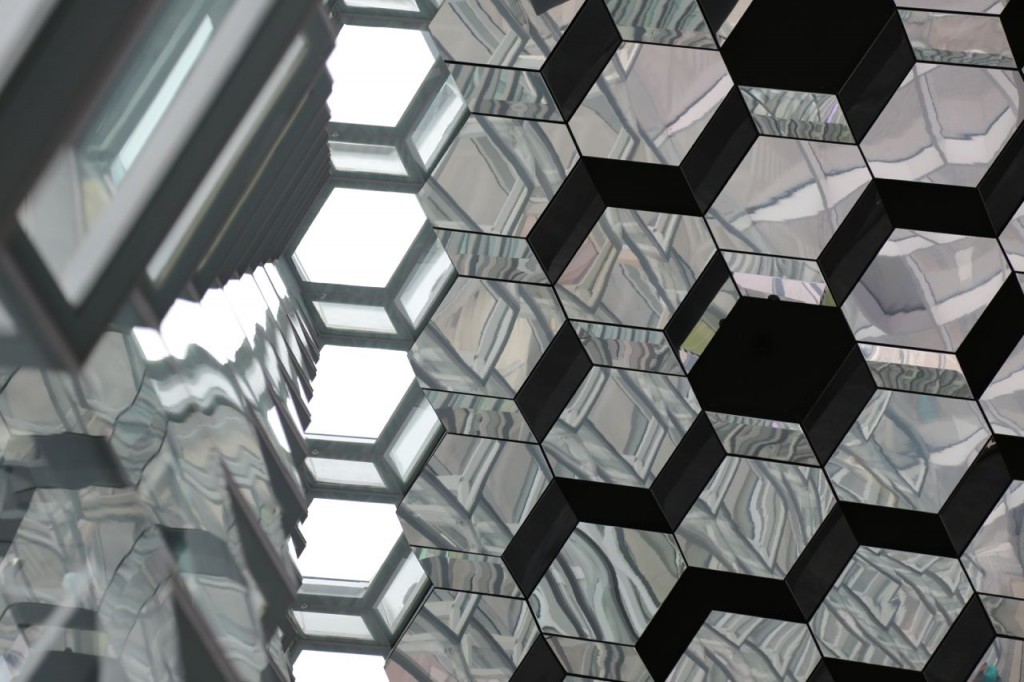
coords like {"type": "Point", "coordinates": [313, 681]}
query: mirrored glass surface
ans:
{"type": "Point", "coordinates": [621, 427]}
{"type": "Point", "coordinates": [974, 6]}
{"type": "Point", "coordinates": [890, 608]}
{"type": "Point", "coordinates": [651, 103]}
{"type": "Point", "coordinates": [476, 415]}
{"type": "Point", "coordinates": [920, 371]}
{"type": "Point", "coordinates": [668, 22]}
{"type": "Point", "coordinates": [492, 256]}
{"type": "Point", "coordinates": [486, 337]}
{"type": "Point", "coordinates": [516, 167]}
{"type": "Point", "coordinates": [925, 290]}
{"type": "Point", "coordinates": [628, 348]}
{"type": "Point", "coordinates": [467, 572]}
{"type": "Point", "coordinates": [800, 115]}
{"type": "Point", "coordinates": [755, 517]}
{"type": "Point", "coordinates": [730, 647]}
{"type": "Point", "coordinates": [994, 560]}
{"type": "Point", "coordinates": [762, 438]}
{"type": "Point", "coordinates": [1003, 400]}
{"type": "Point", "coordinates": [635, 268]}
{"type": "Point", "coordinates": [473, 494]}
{"type": "Point", "coordinates": [788, 197]}
{"type": "Point", "coordinates": [957, 38]}
{"type": "Point", "coordinates": [607, 583]}
{"type": "Point", "coordinates": [501, 32]}
{"type": "Point", "coordinates": [908, 451]}
{"type": "Point", "coordinates": [787, 279]}
{"type": "Point", "coordinates": [1012, 240]}
{"type": "Point", "coordinates": [600, 659]}
{"type": "Point", "coordinates": [505, 92]}
{"type": "Point", "coordinates": [945, 124]}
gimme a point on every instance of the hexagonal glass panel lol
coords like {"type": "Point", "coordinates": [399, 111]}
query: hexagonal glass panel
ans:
{"type": "Point", "coordinates": [925, 289]}
{"type": "Point", "coordinates": [755, 517]}
{"type": "Point", "coordinates": [945, 124]}
{"type": "Point", "coordinates": [993, 559]}
{"type": "Point", "coordinates": [376, 72]}
{"type": "Point", "coordinates": [890, 608]}
{"type": "Point", "coordinates": [621, 427]}
{"type": "Point", "coordinates": [347, 540]}
{"type": "Point", "coordinates": [607, 583]}
{"type": "Point", "coordinates": [651, 103]}
{"type": "Point", "coordinates": [341, 411]}
{"type": "Point", "coordinates": [908, 451]}
{"type": "Point", "coordinates": [1003, 400]}
{"type": "Point", "coordinates": [635, 268]}
{"type": "Point", "coordinates": [788, 197]}
{"type": "Point", "coordinates": [740, 648]}
{"type": "Point", "coordinates": [358, 237]}
{"type": "Point", "coordinates": [474, 494]}
{"type": "Point", "coordinates": [498, 175]}
{"type": "Point", "coordinates": [486, 337]}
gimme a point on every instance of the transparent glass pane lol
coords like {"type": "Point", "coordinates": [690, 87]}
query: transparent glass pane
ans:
{"type": "Point", "coordinates": [347, 540]}
{"type": "Point", "coordinates": [376, 71]}
{"type": "Point", "coordinates": [359, 237]}
{"type": "Point", "coordinates": [326, 666]}
{"type": "Point", "coordinates": [426, 282]}
{"type": "Point", "coordinates": [344, 472]}
{"type": "Point", "coordinates": [400, 592]}
{"type": "Point", "coordinates": [413, 440]}
{"type": "Point", "coordinates": [355, 391]}
{"type": "Point", "coordinates": [392, 5]}
{"type": "Point", "coordinates": [315, 624]}
{"type": "Point", "coordinates": [438, 122]}
{"type": "Point", "coordinates": [365, 158]}
{"type": "Point", "coordinates": [359, 318]}
{"type": "Point", "coordinates": [8, 327]}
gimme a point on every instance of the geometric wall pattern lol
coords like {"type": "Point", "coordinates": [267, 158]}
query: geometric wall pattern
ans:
{"type": "Point", "coordinates": [733, 372]}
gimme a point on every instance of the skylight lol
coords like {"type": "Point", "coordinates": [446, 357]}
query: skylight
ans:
{"type": "Point", "coordinates": [356, 390]}
{"type": "Point", "coordinates": [347, 540]}
{"type": "Point", "coordinates": [376, 73]}
{"type": "Point", "coordinates": [325, 666]}
{"type": "Point", "coordinates": [359, 237]}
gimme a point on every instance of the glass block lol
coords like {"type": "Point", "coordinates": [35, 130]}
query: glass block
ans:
{"type": "Point", "coordinates": [469, 344]}
{"type": "Point", "coordinates": [907, 369]}
{"type": "Point", "coordinates": [731, 646]}
{"type": "Point", "coordinates": [1003, 400]}
{"type": "Point", "coordinates": [400, 595]}
{"type": "Point", "coordinates": [516, 166]}
{"type": "Point", "coordinates": [755, 517]}
{"type": "Point", "coordinates": [344, 472]}
{"type": "Point", "coordinates": [908, 451]}
{"type": "Point", "coordinates": [505, 92]}
{"type": "Point", "coordinates": [788, 197]}
{"type": "Point", "coordinates": [491, 256]}
{"type": "Point", "coordinates": [890, 608]}
{"type": "Point", "coordinates": [993, 560]}
{"type": "Point", "coordinates": [414, 439]}
{"type": "Point", "coordinates": [319, 624]}
{"type": "Point", "coordinates": [501, 32]}
{"type": "Point", "coordinates": [476, 415]}
{"type": "Point", "coordinates": [957, 38]}
{"type": "Point", "coordinates": [905, 298]}
{"type": "Point", "coordinates": [980, 105]}
{"type": "Point", "coordinates": [762, 438]}
{"type": "Point", "coordinates": [785, 279]}
{"type": "Point", "coordinates": [668, 22]}
{"type": "Point", "coordinates": [474, 494]}
{"type": "Point", "coordinates": [603, 659]}
{"type": "Point", "coordinates": [621, 427]}
{"type": "Point", "coordinates": [428, 279]}
{"type": "Point", "coordinates": [467, 572]}
{"type": "Point", "coordinates": [355, 157]}
{"type": "Point", "coordinates": [584, 592]}
{"type": "Point", "coordinates": [438, 123]}
{"type": "Point", "coordinates": [800, 115]}
{"type": "Point", "coordinates": [628, 348]}
{"type": "Point", "coordinates": [635, 268]}
{"type": "Point", "coordinates": [352, 317]}
{"type": "Point", "coordinates": [651, 103]}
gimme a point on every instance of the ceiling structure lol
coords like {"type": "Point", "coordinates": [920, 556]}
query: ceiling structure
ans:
{"type": "Point", "coordinates": [730, 374]}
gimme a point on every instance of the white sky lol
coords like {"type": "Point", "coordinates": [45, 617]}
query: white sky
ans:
{"type": "Point", "coordinates": [356, 390]}
{"type": "Point", "coordinates": [359, 237]}
{"type": "Point", "coordinates": [347, 540]}
{"type": "Point", "coordinates": [376, 72]}
{"type": "Point", "coordinates": [323, 666]}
